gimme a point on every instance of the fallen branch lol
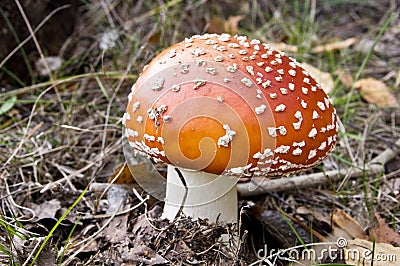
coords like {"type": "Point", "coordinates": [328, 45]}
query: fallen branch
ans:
{"type": "Point", "coordinates": [259, 186]}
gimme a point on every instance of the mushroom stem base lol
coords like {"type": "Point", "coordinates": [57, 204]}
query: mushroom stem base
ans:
{"type": "Point", "coordinates": [200, 195]}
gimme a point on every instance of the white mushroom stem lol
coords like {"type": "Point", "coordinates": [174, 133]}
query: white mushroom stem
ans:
{"type": "Point", "coordinates": [200, 195]}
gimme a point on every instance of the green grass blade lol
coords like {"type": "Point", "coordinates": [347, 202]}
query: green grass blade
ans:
{"type": "Point", "coordinates": [67, 241]}
{"type": "Point", "coordinates": [364, 64]}
{"type": "Point", "coordinates": [17, 40]}
{"type": "Point", "coordinates": [102, 88]}
{"type": "Point", "coordinates": [57, 224]}
{"type": "Point", "coordinates": [8, 104]}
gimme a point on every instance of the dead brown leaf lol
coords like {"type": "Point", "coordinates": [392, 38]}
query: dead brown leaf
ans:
{"type": "Point", "coordinates": [142, 255]}
{"type": "Point", "coordinates": [75, 244]}
{"type": "Point", "coordinates": [337, 45]}
{"type": "Point", "coordinates": [363, 252]}
{"type": "Point", "coordinates": [47, 209]}
{"type": "Point", "coordinates": [376, 92]}
{"type": "Point", "coordinates": [323, 78]}
{"type": "Point", "coordinates": [231, 25]}
{"type": "Point", "coordinates": [348, 224]}
{"type": "Point", "coordinates": [116, 231]}
{"type": "Point", "coordinates": [284, 47]}
{"type": "Point", "coordinates": [316, 214]}
{"type": "Point", "coordinates": [220, 25]}
{"type": "Point", "coordinates": [344, 77]}
{"type": "Point", "coordinates": [215, 25]}
{"type": "Point", "coordinates": [118, 200]}
{"type": "Point", "coordinates": [382, 233]}
{"type": "Point", "coordinates": [121, 175]}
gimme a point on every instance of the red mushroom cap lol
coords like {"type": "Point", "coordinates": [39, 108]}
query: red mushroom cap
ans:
{"type": "Point", "coordinates": [224, 104]}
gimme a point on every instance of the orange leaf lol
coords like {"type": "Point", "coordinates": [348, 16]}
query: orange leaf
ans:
{"type": "Point", "coordinates": [338, 45]}
{"type": "Point", "coordinates": [347, 223]}
{"type": "Point", "coordinates": [220, 25]}
{"type": "Point", "coordinates": [382, 233]}
{"type": "Point", "coordinates": [376, 92]}
{"type": "Point", "coordinates": [122, 175]}
{"type": "Point", "coordinates": [345, 78]}
{"type": "Point", "coordinates": [215, 25]}
{"type": "Point", "coordinates": [231, 25]}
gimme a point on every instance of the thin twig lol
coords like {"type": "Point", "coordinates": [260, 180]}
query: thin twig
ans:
{"type": "Point", "coordinates": [26, 135]}
{"type": "Point", "coordinates": [114, 95]}
{"type": "Point", "coordinates": [39, 241]}
{"type": "Point", "coordinates": [103, 216]}
{"type": "Point", "coordinates": [242, 244]}
{"type": "Point", "coordinates": [315, 179]}
{"type": "Point", "coordinates": [39, 49]}
{"type": "Point", "coordinates": [112, 181]}
{"type": "Point", "coordinates": [392, 145]}
{"type": "Point", "coordinates": [15, 205]}
{"type": "Point", "coordinates": [87, 241]}
{"type": "Point", "coordinates": [19, 46]}
{"type": "Point", "coordinates": [182, 178]}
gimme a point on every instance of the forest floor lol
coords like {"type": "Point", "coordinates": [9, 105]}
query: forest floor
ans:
{"type": "Point", "coordinates": [64, 90]}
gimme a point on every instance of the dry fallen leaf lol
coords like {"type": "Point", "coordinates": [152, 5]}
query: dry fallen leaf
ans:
{"type": "Point", "coordinates": [376, 92]}
{"type": "Point", "coordinates": [118, 200]}
{"type": "Point", "coordinates": [116, 231]}
{"type": "Point", "coordinates": [318, 49]}
{"type": "Point", "coordinates": [360, 252]}
{"type": "Point", "coordinates": [315, 213]}
{"type": "Point", "coordinates": [382, 233]}
{"type": "Point", "coordinates": [47, 209]}
{"type": "Point", "coordinates": [284, 47]}
{"type": "Point", "coordinates": [142, 255]}
{"type": "Point", "coordinates": [215, 25]}
{"type": "Point", "coordinates": [337, 45]}
{"type": "Point", "coordinates": [345, 78]}
{"type": "Point", "coordinates": [121, 175]}
{"type": "Point", "coordinates": [323, 78]}
{"type": "Point", "coordinates": [347, 223]}
{"type": "Point", "coordinates": [220, 25]}
{"type": "Point", "coordinates": [231, 25]}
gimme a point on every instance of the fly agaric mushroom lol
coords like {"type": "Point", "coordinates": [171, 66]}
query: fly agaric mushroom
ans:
{"type": "Point", "coordinates": [216, 108]}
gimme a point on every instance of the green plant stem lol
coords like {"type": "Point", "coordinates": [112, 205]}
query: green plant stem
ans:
{"type": "Point", "coordinates": [18, 41]}
{"type": "Point", "coordinates": [363, 65]}
{"type": "Point", "coordinates": [57, 224]}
